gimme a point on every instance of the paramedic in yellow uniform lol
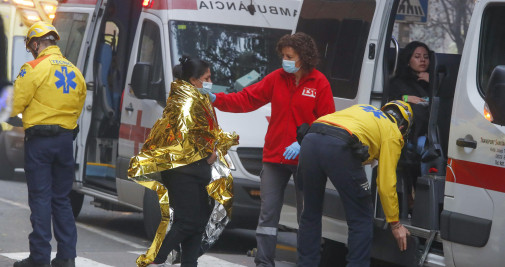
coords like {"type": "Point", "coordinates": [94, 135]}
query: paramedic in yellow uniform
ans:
{"type": "Point", "coordinates": [49, 92]}
{"type": "Point", "coordinates": [337, 146]}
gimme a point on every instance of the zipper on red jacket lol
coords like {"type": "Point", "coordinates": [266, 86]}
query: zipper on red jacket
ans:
{"type": "Point", "coordinates": [291, 95]}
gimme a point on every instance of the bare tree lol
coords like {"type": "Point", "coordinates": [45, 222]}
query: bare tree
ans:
{"type": "Point", "coordinates": [447, 25]}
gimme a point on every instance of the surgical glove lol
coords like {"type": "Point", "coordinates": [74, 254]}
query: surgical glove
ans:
{"type": "Point", "coordinates": [292, 151]}
{"type": "Point", "coordinates": [212, 97]}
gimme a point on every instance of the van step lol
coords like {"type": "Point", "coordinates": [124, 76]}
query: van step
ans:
{"type": "Point", "coordinates": [415, 231]}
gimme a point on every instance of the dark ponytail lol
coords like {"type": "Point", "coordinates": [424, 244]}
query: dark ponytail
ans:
{"type": "Point", "coordinates": [190, 68]}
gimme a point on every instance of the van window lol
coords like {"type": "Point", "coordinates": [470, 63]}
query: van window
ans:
{"type": "Point", "coordinates": [342, 51]}
{"type": "Point", "coordinates": [150, 52]}
{"type": "Point", "coordinates": [492, 44]}
{"type": "Point", "coordinates": [442, 25]}
{"type": "Point", "coordinates": [71, 27]}
{"type": "Point", "coordinates": [239, 55]}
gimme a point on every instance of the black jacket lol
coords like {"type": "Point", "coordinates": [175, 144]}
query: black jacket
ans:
{"type": "Point", "coordinates": [409, 85]}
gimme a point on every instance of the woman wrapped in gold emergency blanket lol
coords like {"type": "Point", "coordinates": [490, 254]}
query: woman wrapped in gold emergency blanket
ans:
{"type": "Point", "coordinates": [184, 137]}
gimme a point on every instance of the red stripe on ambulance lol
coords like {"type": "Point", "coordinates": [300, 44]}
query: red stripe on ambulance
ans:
{"type": "Point", "coordinates": [135, 133]}
{"type": "Point", "coordinates": [477, 174]}
{"type": "Point", "coordinates": [173, 4]}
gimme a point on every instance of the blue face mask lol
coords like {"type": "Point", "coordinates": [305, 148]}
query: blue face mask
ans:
{"type": "Point", "coordinates": [206, 88]}
{"type": "Point", "coordinates": [289, 66]}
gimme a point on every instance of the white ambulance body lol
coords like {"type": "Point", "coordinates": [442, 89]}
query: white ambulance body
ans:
{"type": "Point", "coordinates": [457, 217]}
{"type": "Point", "coordinates": [126, 51]}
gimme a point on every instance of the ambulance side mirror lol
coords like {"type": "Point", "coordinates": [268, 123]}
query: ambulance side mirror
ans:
{"type": "Point", "coordinates": [141, 78]}
{"type": "Point", "coordinates": [495, 95]}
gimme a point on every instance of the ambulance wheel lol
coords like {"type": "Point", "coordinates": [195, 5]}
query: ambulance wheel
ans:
{"type": "Point", "coordinates": [152, 213]}
{"type": "Point", "coordinates": [333, 254]}
{"type": "Point", "coordinates": [76, 200]}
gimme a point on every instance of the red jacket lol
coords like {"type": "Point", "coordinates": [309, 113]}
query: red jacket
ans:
{"type": "Point", "coordinates": [291, 106]}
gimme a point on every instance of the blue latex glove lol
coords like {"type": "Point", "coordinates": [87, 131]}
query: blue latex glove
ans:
{"type": "Point", "coordinates": [292, 151]}
{"type": "Point", "coordinates": [212, 97]}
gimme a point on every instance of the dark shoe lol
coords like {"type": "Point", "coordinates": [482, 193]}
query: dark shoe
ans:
{"type": "Point", "coordinates": [63, 262]}
{"type": "Point", "coordinates": [28, 262]}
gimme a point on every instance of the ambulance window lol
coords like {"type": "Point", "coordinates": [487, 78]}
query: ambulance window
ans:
{"type": "Point", "coordinates": [238, 55]}
{"type": "Point", "coordinates": [492, 44]}
{"type": "Point", "coordinates": [340, 29]}
{"type": "Point", "coordinates": [71, 27]}
{"type": "Point", "coordinates": [150, 52]}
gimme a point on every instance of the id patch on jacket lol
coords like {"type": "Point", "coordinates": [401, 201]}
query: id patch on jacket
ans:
{"type": "Point", "coordinates": [310, 92]}
{"type": "Point", "coordinates": [60, 62]}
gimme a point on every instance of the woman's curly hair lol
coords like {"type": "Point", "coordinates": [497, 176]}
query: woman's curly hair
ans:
{"type": "Point", "coordinates": [304, 46]}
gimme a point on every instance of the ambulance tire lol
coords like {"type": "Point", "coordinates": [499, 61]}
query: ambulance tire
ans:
{"type": "Point", "coordinates": [6, 168]}
{"type": "Point", "coordinates": [152, 213]}
{"type": "Point", "coordinates": [76, 200]}
{"type": "Point", "coordinates": [333, 254]}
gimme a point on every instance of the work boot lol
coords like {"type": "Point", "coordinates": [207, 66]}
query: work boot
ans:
{"type": "Point", "coordinates": [28, 262]}
{"type": "Point", "coordinates": [63, 262]}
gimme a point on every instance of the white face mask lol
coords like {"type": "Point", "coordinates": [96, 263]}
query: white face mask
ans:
{"type": "Point", "coordinates": [206, 88]}
{"type": "Point", "coordinates": [289, 66]}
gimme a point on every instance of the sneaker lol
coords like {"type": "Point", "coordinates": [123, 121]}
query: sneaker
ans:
{"type": "Point", "coordinates": [28, 262]}
{"type": "Point", "coordinates": [174, 257]}
{"type": "Point", "coordinates": [63, 262]}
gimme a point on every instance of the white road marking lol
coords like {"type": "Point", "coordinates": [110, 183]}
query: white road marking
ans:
{"type": "Point", "coordinates": [79, 261]}
{"type": "Point", "coordinates": [14, 203]}
{"type": "Point", "coordinates": [84, 226]}
{"type": "Point", "coordinates": [204, 260]}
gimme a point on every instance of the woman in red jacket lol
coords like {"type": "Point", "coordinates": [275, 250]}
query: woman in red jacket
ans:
{"type": "Point", "coordinates": [298, 94]}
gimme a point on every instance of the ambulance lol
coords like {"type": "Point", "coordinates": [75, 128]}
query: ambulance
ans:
{"type": "Point", "coordinates": [457, 215]}
{"type": "Point", "coordinates": [18, 16]}
{"type": "Point", "coordinates": [126, 51]}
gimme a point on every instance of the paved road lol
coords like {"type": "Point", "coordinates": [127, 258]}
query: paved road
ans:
{"type": "Point", "coordinates": [110, 238]}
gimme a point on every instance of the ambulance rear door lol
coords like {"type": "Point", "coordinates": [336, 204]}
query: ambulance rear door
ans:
{"type": "Point", "coordinates": [472, 221]}
{"type": "Point", "coordinates": [76, 21]}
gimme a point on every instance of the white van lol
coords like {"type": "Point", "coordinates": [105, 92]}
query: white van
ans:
{"type": "Point", "coordinates": [126, 50]}
{"type": "Point", "coordinates": [456, 218]}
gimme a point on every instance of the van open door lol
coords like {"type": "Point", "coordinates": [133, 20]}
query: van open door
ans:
{"type": "Point", "coordinates": [96, 36]}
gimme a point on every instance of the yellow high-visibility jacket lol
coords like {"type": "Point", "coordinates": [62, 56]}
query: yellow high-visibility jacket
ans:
{"type": "Point", "coordinates": [384, 140]}
{"type": "Point", "coordinates": [49, 90]}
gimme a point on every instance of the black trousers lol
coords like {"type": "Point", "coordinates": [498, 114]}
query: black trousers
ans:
{"type": "Point", "coordinates": [49, 169]}
{"type": "Point", "coordinates": [190, 201]}
{"type": "Point", "coordinates": [323, 157]}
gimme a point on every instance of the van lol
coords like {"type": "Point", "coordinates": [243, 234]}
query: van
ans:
{"type": "Point", "coordinates": [126, 51]}
{"type": "Point", "coordinates": [18, 16]}
{"type": "Point", "coordinates": [455, 219]}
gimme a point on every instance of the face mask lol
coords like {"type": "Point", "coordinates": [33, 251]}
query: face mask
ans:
{"type": "Point", "coordinates": [289, 66]}
{"type": "Point", "coordinates": [206, 88]}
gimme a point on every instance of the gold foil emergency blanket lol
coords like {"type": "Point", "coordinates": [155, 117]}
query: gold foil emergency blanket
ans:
{"type": "Point", "coordinates": [187, 132]}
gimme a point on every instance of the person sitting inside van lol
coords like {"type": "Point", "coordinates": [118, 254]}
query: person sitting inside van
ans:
{"type": "Point", "coordinates": [411, 84]}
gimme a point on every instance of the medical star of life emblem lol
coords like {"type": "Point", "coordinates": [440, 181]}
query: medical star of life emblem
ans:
{"type": "Point", "coordinates": [22, 73]}
{"type": "Point", "coordinates": [377, 113]}
{"type": "Point", "coordinates": [66, 79]}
